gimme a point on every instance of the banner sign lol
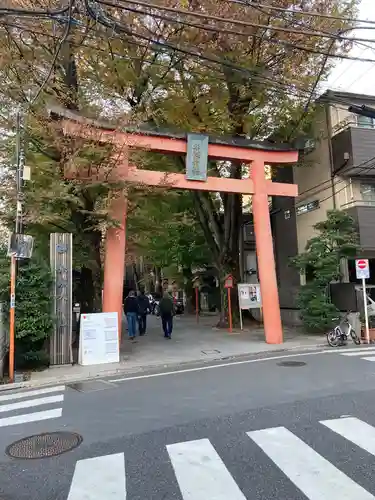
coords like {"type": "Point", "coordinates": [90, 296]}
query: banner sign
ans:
{"type": "Point", "coordinates": [196, 157]}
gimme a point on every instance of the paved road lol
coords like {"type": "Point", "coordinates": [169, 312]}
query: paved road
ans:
{"type": "Point", "coordinates": [252, 430]}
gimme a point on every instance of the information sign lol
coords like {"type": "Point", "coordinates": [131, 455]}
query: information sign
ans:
{"type": "Point", "coordinates": [229, 282]}
{"type": "Point", "coordinates": [249, 296]}
{"type": "Point", "coordinates": [99, 340]}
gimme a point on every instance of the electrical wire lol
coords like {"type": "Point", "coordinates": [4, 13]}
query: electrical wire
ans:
{"type": "Point", "coordinates": [110, 23]}
{"type": "Point", "coordinates": [32, 13]}
{"type": "Point", "coordinates": [272, 84]}
{"type": "Point", "coordinates": [119, 4]}
{"type": "Point", "coordinates": [300, 12]}
{"type": "Point", "coordinates": [56, 54]}
{"type": "Point", "coordinates": [213, 29]}
{"type": "Point", "coordinates": [363, 169]}
{"type": "Point", "coordinates": [278, 86]}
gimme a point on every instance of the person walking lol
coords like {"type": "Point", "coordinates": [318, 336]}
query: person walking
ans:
{"type": "Point", "coordinates": [131, 313]}
{"type": "Point", "coordinates": [144, 308]}
{"type": "Point", "coordinates": [166, 309]}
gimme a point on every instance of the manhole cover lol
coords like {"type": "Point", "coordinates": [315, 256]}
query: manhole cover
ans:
{"type": "Point", "coordinates": [292, 364]}
{"type": "Point", "coordinates": [45, 445]}
{"type": "Point", "coordinates": [92, 386]}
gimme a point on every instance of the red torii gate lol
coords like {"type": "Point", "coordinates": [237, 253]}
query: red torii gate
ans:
{"type": "Point", "coordinates": [255, 154]}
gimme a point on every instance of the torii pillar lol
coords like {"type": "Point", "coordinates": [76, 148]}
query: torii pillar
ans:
{"type": "Point", "coordinates": [257, 185]}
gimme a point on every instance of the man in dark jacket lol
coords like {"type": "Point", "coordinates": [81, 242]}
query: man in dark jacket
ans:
{"type": "Point", "coordinates": [131, 312]}
{"type": "Point", "coordinates": [144, 308]}
{"type": "Point", "coordinates": [166, 308]}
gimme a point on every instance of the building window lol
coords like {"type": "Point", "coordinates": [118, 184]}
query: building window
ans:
{"type": "Point", "coordinates": [365, 122]}
{"type": "Point", "coordinates": [368, 193]}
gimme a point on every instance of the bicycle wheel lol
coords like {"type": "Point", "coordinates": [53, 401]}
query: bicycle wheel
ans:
{"type": "Point", "coordinates": [333, 338]}
{"type": "Point", "coordinates": [355, 337]}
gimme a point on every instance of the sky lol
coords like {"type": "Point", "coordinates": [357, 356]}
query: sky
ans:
{"type": "Point", "coordinates": [357, 76]}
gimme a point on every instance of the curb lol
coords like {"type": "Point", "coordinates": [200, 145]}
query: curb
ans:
{"type": "Point", "coordinates": [71, 379]}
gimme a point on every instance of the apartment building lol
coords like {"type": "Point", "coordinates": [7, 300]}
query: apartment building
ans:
{"type": "Point", "coordinates": [337, 171]}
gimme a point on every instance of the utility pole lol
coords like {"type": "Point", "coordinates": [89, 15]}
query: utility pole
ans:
{"type": "Point", "coordinates": [20, 161]}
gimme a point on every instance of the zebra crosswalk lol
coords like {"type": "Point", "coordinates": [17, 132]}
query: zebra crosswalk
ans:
{"type": "Point", "coordinates": [201, 473]}
{"type": "Point", "coordinates": [20, 407]}
{"type": "Point", "coordinates": [365, 353]}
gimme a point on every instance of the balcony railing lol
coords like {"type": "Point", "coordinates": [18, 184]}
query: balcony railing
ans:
{"type": "Point", "coordinates": [354, 121]}
{"type": "Point", "coordinates": [358, 203]}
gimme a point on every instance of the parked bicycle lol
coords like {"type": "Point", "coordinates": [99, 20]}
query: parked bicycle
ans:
{"type": "Point", "coordinates": [340, 333]}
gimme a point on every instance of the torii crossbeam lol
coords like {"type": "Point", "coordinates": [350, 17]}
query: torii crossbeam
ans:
{"type": "Point", "coordinates": [255, 154]}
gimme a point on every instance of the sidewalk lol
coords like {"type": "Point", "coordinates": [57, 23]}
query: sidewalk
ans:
{"type": "Point", "coordinates": [191, 343]}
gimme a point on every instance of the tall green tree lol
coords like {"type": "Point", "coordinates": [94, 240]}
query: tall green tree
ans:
{"type": "Point", "coordinates": [145, 65]}
{"type": "Point", "coordinates": [336, 239]}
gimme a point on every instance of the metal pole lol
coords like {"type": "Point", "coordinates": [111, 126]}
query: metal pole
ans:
{"type": "Point", "coordinates": [197, 303]}
{"type": "Point", "coordinates": [230, 310]}
{"type": "Point", "coordinates": [366, 312]}
{"type": "Point", "coordinates": [12, 316]}
{"type": "Point", "coordinates": [18, 229]}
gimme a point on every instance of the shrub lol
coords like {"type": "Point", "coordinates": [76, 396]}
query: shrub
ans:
{"type": "Point", "coordinates": [33, 319]}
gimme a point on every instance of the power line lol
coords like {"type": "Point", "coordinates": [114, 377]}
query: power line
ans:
{"type": "Point", "coordinates": [275, 85]}
{"type": "Point", "coordinates": [300, 12]}
{"type": "Point", "coordinates": [337, 36]}
{"type": "Point", "coordinates": [57, 52]}
{"type": "Point", "coordinates": [214, 29]}
{"type": "Point", "coordinates": [109, 23]}
{"type": "Point", "coordinates": [363, 169]}
{"type": "Point", "coordinates": [32, 13]}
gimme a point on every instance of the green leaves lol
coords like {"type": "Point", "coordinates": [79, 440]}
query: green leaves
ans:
{"type": "Point", "coordinates": [320, 263]}
{"type": "Point", "coordinates": [34, 322]}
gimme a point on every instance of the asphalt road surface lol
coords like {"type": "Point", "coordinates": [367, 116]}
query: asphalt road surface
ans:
{"type": "Point", "coordinates": [251, 430]}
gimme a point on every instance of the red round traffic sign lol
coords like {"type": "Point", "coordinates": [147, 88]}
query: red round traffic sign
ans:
{"type": "Point", "coordinates": [362, 264]}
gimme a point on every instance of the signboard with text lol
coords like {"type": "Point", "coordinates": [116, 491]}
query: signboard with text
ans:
{"type": "Point", "coordinates": [61, 261]}
{"type": "Point", "coordinates": [196, 157]}
{"type": "Point", "coordinates": [249, 296]}
{"type": "Point", "coordinates": [229, 282]}
{"type": "Point", "coordinates": [99, 339]}
{"type": "Point", "coordinates": [362, 269]}
{"type": "Point", "coordinates": [20, 245]}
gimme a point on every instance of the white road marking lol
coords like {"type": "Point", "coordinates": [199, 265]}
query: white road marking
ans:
{"type": "Point", "coordinates": [351, 428]}
{"type": "Point", "coordinates": [200, 472]}
{"type": "Point", "coordinates": [30, 417]}
{"type": "Point", "coordinates": [99, 478]}
{"type": "Point", "coordinates": [315, 476]}
{"type": "Point", "coordinates": [29, 394]}
{"type": "Point", "coordinates": [29, 403]}
{"type": "Point", "coordinates": [212, 367]}
{"type": "Point", "coordinates": [369, 358]}
{"type": "Point", "coordinates": [359, 353]}
{"type": "Point", "coordinates": [343, 350]}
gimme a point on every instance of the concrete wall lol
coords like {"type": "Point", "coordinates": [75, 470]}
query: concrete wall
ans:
{"type": "Point", "coordinates": [284, 231]}
{"type": "Point", "coordinates": [314, 183]}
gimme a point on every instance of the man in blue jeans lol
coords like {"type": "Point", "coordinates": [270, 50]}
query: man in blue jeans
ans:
{"type": "Point", "coordinates": [131, 311]}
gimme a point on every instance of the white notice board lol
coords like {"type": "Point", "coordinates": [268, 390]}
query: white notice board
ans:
{"type": "Point", "coordinates": [249, 296]}
{"type": "Point", "coordinates": [98, 340]}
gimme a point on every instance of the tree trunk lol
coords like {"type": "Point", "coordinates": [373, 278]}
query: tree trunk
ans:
{"type": "Point", "coordinates": [189, 290]}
